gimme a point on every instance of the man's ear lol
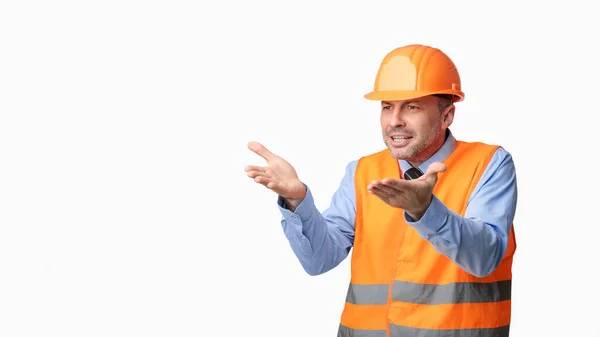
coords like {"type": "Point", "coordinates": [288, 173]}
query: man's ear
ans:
{"type": "Point", "coordinates": [448, 115]}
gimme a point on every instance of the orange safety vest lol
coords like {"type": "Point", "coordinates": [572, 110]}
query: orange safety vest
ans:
{"type": "Point", "coordinates": [400, 285]}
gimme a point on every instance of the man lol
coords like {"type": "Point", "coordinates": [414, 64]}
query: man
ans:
{"type": "Point", "coordinates": [429, 218]}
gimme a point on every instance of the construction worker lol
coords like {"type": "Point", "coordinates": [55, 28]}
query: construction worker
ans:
{"type": "Point", "coordinates": [429, 218]}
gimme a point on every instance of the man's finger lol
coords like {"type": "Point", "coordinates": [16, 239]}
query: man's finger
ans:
{"type": "Point", "coordinates": [432, 172]}
{"type": "Point", "coordinates": [436, 168]}
{"type": "Point", "coordinates": [262, 180]}
{"type": "Point", "coordinates": [399, 184]}
{"type": "Point", "coordinates": [250, 168]}
{"type": "Point", "coordinates": [380, 194]}
{"type": "Point", "coordinates": [379, 190]}
{"type": "Point", "coordinates": [254, 174]}
{"type": "Point", "coordinates": [267, 182]}
{"type": "Point", "coordinates": [389, 190]}
{"type": "Point", "coordinates": [272, 185]}
{"type": "Point", "coordinates": [260, 150]}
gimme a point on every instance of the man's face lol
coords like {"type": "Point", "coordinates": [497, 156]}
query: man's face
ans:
{"type": "Point", "coordinates": [414, 129]}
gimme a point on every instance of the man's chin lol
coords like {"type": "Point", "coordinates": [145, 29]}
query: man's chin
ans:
{"type": "Point", "coordinates": [400, 154]}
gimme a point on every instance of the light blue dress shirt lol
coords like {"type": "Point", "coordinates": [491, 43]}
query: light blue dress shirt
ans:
{"type": "Point", "coordinates": [475, 242]}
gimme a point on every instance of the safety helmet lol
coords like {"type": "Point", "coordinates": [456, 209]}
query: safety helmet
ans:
{"type": "Point", "coordinates": [415, 71]}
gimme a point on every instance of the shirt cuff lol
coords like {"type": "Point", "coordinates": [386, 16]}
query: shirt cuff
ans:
{"type": "Point", "coordinates": [303, 212]}
{"type": "Point", "coordinates": [434, 218]}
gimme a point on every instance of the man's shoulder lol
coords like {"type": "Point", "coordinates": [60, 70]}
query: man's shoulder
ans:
{"type": "Point", "coordinates": [475, 145]}
{"type": "Point", "coordinates": [377, 161]}
{"type": "Point", "coordinates": [496, 154]}
{"type": "Point", "coordinates": [374, 155]}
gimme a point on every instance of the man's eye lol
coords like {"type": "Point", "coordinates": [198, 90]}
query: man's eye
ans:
{"type": "Point", "coordinates": [413, 107]}
{"type": "Point", "coordinates": [387, 107]}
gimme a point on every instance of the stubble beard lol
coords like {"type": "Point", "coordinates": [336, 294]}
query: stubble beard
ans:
{"type": "Point", "coordinates": [418, 150]}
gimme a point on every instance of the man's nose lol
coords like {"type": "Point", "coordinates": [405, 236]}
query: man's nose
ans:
{"type": "Point", "coordinates": [397, 119]}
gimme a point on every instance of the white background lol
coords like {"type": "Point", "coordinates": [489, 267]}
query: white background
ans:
{"type": "Point", "coordinates": [124, 206]}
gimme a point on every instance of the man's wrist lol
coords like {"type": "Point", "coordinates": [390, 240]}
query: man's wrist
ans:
{"type": "Point", "coordinates": [419, 213]}
{"type": "Point", "coordinates": [434, 218]}
{"type": "Point", "coordinates": [292, 204]}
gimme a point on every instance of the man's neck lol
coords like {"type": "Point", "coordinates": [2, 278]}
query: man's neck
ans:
{"type": "Point", "coordinates": [432, 152]}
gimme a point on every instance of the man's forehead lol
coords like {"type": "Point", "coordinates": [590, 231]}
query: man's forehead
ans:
{"type": "Point", "coordinates": [414, 100]}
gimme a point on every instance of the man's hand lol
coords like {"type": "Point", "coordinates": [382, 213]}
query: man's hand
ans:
{"type": "Point", "coordinates": [414, 196]}
{"type": "Point", "coordinates": [278, 176]}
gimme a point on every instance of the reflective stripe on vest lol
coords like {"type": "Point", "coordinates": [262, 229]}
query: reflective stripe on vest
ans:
{"type": "Point", "coordinates": [452, 293]}
{"type": "Point", "coordinates": [399, 331]}
{"type": "Point", "coordinates": [457, 292]}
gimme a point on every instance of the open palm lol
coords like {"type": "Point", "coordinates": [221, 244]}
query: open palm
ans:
{"type": "Point", "coordinates": [278, 176]}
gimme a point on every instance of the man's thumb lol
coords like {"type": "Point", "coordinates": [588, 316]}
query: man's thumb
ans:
{"type": "Point", "coordinates": [433, 171]}
{"type": "Point", "coordinates": [260, 150]}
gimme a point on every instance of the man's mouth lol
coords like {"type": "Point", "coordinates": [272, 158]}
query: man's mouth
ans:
{"type": "Point", "coordinates": [400, 140]}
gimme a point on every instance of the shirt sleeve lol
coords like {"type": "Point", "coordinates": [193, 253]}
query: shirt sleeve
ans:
{"type": "Point", "coordinates": [477, 241]}
{"type": "Point", "coordinates": [321, 241]}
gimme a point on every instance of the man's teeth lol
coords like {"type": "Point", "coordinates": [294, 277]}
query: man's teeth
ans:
{"type": "Point", "coordinates": [398, 138]}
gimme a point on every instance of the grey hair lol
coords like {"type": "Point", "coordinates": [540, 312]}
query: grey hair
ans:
{"type": "Point", "coordinates": [444, 101]}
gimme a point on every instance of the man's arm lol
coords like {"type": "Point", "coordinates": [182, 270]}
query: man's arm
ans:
{"type": "Point", "coordinates": [322, 241]}
{"type": "Point", "coordinates": [477, 241]}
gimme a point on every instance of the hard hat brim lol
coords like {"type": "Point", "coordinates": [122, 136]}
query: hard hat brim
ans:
{"type": "Point", "coordinates": [403, 95]}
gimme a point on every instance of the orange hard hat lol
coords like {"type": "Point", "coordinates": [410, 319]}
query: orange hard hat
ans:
{"type": "Point", "coordinates": [415, 71]}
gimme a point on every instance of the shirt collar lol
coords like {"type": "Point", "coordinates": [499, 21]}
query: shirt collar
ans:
{"type": "Point", "coordinates": [444, 151]}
